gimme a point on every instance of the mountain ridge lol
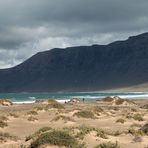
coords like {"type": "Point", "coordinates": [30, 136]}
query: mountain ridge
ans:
{"type": "Point", "coordinates": [82, 68]}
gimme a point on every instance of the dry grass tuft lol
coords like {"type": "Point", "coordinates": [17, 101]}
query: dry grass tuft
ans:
{"type": "Point", "coordinates": [85, 114]}
{"type": "Point", "coordinates": [31, 118]}
{"type": "Point", "coordinates": [120, 120]}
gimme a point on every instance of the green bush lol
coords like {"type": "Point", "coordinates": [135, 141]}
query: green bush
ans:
{"type": "Point", "coordinates": [108, 145]}
{"type": "Point", "coordinates": [55, 137]}
{"type": "Point", "coordinates": [84, 130]}
{"type": "Point", "coordinates": [37, 133]}
{"type": "Point", "coordinates": [85, 114]}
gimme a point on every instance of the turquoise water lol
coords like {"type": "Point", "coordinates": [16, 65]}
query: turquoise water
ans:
{"type": "Point", "coordinates": [62, 97]}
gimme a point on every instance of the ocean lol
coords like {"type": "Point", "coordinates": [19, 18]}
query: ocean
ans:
{"type": "Point", "coordinates": [20, 98]}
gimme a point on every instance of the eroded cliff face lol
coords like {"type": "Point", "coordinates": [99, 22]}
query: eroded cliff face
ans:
{"type": "Point", "coordinates": [83, 68]}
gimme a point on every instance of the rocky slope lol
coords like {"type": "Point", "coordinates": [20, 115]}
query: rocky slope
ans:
{"type": "Point", "coordinates": [84, 68]}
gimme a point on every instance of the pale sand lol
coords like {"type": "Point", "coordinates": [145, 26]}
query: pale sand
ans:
{"type": "Point", "coordinates": [22, 128]}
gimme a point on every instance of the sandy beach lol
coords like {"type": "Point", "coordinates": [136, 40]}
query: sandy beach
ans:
{"type": "Point", "coordinates": [90, 124]}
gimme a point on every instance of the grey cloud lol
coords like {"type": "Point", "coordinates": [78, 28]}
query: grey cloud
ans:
{"type": "Point", "coordinates": [27, 27]}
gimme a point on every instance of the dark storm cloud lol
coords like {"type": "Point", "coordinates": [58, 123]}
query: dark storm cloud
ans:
{"type": "Point", "coordinates": [27, 27]}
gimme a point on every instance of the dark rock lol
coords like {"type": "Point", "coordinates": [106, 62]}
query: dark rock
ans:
{"type": "Point", "coordinates": [84, 68]}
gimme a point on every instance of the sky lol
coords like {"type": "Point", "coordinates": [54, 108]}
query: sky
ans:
{"type": "Point", "coordinates": [31, 26]}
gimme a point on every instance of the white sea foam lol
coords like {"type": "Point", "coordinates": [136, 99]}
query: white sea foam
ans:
{"type": "Point", "coordinates": [63, 101]}
{"type": "Point", "coordinates": [23, 102]}
{"type": "Point", "coordinates": [32, 98]}
{"type": "Point", "coordinates": [134, 96]}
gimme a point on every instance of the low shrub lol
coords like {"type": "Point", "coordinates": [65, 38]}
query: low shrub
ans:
{"type": "Point", "coordinates": [97, 110]}
{"type": "Point", "coordinates": [108, 145]}
{"type": "Point", "coordinates": [3, 118]}
{"type": "Point", "coordinates": [120, 120]}
{"type": "Point", "coordinates": [37, 133]}
{"type": "Point", "coordinates": [54, 104]}
{"type": "Point", "coordinates": [64, 118]}
{"type": "Point", "coordinates": [85, 114]}
{"type": "Point", "coordinates": [3, 124]}
{"type": "Point", "coordinates": [33, 112]}
{"type": "Point", "coordinates": [6, 136]}
{"type": "Point", "coordinates": [101, 133]}
{"type": "Point", "coordinates": [84, 130]}
{"type": "Point", "coordinates": [138, 117]}
{"type": "Point", "coordinates": [13, 115]}
{"type": "Point", "coordinates": [135, 132]}
{"type": "Point", "coordinates": [108, 99]}
{"type": "Point", "coordinates": [133, 109]}
{"type": "Point", "coordinates": [136, 125]}
{"type": "Point", "coordinates": [56, 137]}
{"type": "Point", "coordinates": [31, 118]}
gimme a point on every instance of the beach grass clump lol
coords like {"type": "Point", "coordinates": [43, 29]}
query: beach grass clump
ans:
{"type": "Point", "coordinates": [108, 99]}
{"type": "Point", "coordinates": [97, 110]}
{"type": "Point", "coordinates": [32, 112]}
{"type": "Point", "coordinates": [84, 130]}
{"type": "Point", "coordinates": [136, 125]}
{"type": "Point", "coordinates": [116, 133]}
{"type": "Point", "coordinates": [135, 132]}
{"type": "Point", "coordinates": [3, 124]}
{"type": "Point", "coordinates": [62, 117]}
{"type": "Point", "coordinates": [85, 114]}
{"type": "Point", "coordinates": [120, 121]}
{"type": "Point", "coordinates": [108, 145]}
{"type": "Point", "coordinates": [54, 104]}
{"type": "Point", "coordinates": [56, 137]}
{"type": "Point", "coordinates": [138, 117]}
{"type": "Point", "coordinates": [38, 132]}
{"type": "Point", "coordinates": [52, 101]}
{"type": "Point", "coordinates": [145, 106]}
{"type": "Point", "coordinates": [3, 118]}
{"type": "Point", "coordinates": [31, 118]}
{"type": "Point", "coordinates": [101, 133]}
{"type": "Point", "coordinates": [5, 102]}
{"type": "Point", "coordinates": [119, 101]}
{"type": "Point", "coordinates": [6, 136]}
{"type": "Point", "coordinates": [13, 115]}
{"type": "Point", "coordinates": [133, 109]}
